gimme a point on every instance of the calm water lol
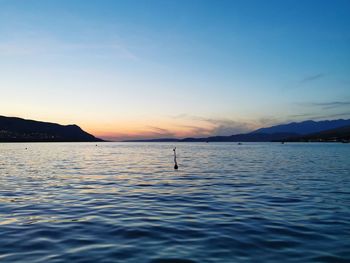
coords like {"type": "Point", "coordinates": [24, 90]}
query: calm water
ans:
{"type": "Point", "coordinates": [123, 202]}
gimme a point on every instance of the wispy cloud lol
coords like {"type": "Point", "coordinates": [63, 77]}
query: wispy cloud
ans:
{"type": "Point", "coordinates": [326, 105]}
{"type": "Point", "coordinates": [149, 132]}
{"type": "Point", "coordinates": [317, 116]}
{"type": "Point", "coordinates": [311, 78]}
{"type": "Point", "coordinates": [323, 110]}
{"type": "Point", "coordinates": [302, 115]}
{"type": "Point", "coordinates": [158, 132]}
{"type": "Point", "coordinates": [215, 126]}
{"type": "Point", "coordinates": [196, 131]}
{"type": "Point", "coordinates": [194, 126]}
{"type": "Point", "coordinates": [229, 127]}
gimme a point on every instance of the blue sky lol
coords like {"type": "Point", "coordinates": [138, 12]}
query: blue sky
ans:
{"type": "Point", "coordinates": [145, 69]}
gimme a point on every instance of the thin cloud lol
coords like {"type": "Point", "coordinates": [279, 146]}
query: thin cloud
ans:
{"type": "Point", "coordinates": [337, 115]}
{"type": "Point", "coordinates": [216, 126]}
{"type": "Point", "coordinates": [302, 115]}
{"type": "Point", "coordinates": [149, 132]}
{"type": "Point", "coordinates": [157, 132]}
{"type": "Point", "coordinates": [231, 127]}
{"type": "Point", "coordinates": [323, 110]}
{"type": "Point", "coordinates": [197, 131]}
{"type": "Point", "coordinates": [327, 105]}
{"type": "Point", "coordinates": [312, 78]}
{"type": "Point", "coordinates": [315, 116]}
{"type": "Point", "coordinates": [332, 105]}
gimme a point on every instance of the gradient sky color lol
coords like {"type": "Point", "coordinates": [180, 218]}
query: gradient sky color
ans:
{"type": "Point", "coordinates": [174, 68]}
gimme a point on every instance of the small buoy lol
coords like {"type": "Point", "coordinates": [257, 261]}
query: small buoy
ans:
{"type": "Point", "coordinates": [175, 166]}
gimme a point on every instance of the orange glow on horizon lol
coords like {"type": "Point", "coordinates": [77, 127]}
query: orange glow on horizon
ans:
{"type": "Point", "coordinates": [148, 130]}
{"type": "Point", "coordinates": [163, 128]}
{"type": "Point", "coordinates": [129, 127]}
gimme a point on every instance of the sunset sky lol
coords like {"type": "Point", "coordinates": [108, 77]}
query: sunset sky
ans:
{"type": "Point", "coordinates": [174, 68]}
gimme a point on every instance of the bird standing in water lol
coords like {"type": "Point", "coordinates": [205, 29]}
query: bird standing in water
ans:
{"type": "Point", "coordinates": [175, 166]}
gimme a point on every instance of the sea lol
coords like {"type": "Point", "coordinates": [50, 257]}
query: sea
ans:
{"type": "Point", "coordinates": [124, 202]}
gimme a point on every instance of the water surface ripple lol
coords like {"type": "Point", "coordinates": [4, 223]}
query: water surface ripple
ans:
{"type": "Point", "coordinates": [124, 202]}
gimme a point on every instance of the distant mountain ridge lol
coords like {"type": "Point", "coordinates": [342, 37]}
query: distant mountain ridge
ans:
{"type": "Point", "coordinates": [13, 129]}
{"type": "Point", "coordinates": [341, 134]}
{"type": "Point", "coordinates": [248, 137]}
{"type": "Point", "coordinates": [282, 132]}
{"type": "Point", "coordinates": [305, 127]}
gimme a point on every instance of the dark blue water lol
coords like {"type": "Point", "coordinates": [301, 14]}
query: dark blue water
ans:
{"type": "Point", "coordinates": [123, 202]}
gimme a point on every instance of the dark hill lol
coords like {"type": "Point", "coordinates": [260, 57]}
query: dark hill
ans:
{"type": "Point", "coordinates": [282, 132]}
{"type": "Point", "coordinates": [20, 130]}
{"type": "Point", "coordinates": [249, 137]}
{"type": "Point", "coordinates": [305, 127]}
{"type": "Point", "coordinates": [333, 135]}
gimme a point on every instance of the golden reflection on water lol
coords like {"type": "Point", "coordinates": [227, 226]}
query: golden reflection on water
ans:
{"type": "Point", "coordinates": [5, 221]}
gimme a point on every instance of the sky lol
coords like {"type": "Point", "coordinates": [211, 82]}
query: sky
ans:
{"type": "Point", "coordinates": [174, 68]}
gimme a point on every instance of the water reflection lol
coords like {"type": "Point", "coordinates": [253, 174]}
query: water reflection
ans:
{"type": "Point", "coordinates": [123, 201]}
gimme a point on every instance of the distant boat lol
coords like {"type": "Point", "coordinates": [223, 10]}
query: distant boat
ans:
{"type": "Point", "coordinates": [239, 143]}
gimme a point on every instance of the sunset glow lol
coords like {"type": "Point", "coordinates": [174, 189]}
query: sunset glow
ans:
{"type": "Point", "coordinates": [150, 69]}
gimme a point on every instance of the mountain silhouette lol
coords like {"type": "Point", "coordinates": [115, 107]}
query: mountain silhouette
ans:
{"type": "Point", "coordinates": [290, 131]}
{"type": "Point", "coordinates": [338, 134]}
{"type": "Point", "coordinates": [305, 127]}
{"type": "Point", "coordinates": [14, 129]}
